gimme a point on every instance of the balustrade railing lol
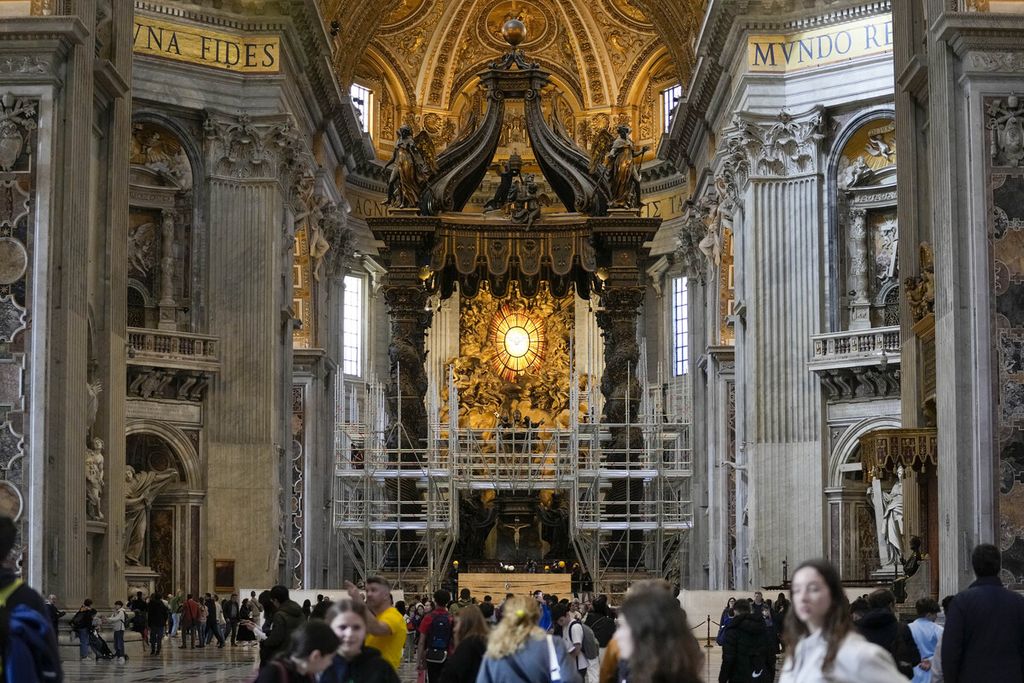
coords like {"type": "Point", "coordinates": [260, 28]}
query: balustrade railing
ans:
{"type": "Point", "coordinates": [172, 349]}
{"type": "Point", "coordinates": [857, 344]}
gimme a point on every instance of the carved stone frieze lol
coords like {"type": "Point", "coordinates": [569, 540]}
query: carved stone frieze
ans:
{"type": "Point", "coordinates": [1005, 122]}
{"type": "Point", "coordinates": [25, 65]}
{"type": "Point", "coordinates": [781, 146]}
{"type": "Point", "coordinates": [1010, 62]}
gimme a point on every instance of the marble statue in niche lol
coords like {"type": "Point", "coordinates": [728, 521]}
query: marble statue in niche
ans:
{"type": "Point", "coordinates": [141, 488]}
{"type": "Point", "coordinates": [885, 256]}
{"type": "Point", "coordinates": [888, 507]}
{"type": "Point", "coordinates": [94, 480]}
{"type": "Point", "coordinates": [94, 454]}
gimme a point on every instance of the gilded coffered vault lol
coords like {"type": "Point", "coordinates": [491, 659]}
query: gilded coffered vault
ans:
{"type": "Point", "coordinates": [609, 59]}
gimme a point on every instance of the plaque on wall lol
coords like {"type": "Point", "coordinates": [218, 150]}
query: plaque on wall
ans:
{"type": "Point", "coordinates": [224, 576]}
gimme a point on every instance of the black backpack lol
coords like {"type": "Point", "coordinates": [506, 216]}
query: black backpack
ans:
{"type": "Point", "coordinates": [439, 635]}
{"type": "Point", "coordinates": [80, 619]}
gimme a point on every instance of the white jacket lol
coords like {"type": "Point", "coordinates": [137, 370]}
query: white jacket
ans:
{"type": "Point", "coordinates": [857, 661]}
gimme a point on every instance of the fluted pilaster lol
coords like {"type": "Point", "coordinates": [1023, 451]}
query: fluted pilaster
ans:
{"type": "Point", "coordinates": [775, 165]}
{"type": "Point", "coordinates": [254, 167]}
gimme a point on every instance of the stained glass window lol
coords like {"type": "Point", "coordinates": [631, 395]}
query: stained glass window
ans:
{"type": "Point", "coordinates": [518, 342]}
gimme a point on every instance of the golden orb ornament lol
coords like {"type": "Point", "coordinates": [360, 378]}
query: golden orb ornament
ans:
{"type": "Point", "coordinates": [514, 32]}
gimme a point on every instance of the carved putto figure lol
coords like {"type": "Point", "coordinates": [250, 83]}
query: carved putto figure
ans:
{"type": "Point", "coordinates": [412, 164]}
{"type": "Point", "coordinates": [623, 171]}
{"type": "Point", "coordinates": [921, 288]}
{"type": "Point", "coordinates": [141, 488]}
{"type": "Point", "coordinates": [94, 479]}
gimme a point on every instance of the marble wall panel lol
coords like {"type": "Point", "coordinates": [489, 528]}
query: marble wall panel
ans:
{"type": "Point", "coordinates": [1006, 239]}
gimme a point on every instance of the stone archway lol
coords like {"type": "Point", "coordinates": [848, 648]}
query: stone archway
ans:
{"type": "Point", "coordinates": [852, 546]}
{"type": "Point", "coordinates": [171, 546]}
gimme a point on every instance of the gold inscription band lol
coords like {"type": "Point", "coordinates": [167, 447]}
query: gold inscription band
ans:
{"type": "Point", "coordinates": [820, 47]}
{"type": "Point", "coordinates": [241, 53]}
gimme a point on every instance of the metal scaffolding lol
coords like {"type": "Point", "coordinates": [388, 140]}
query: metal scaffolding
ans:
{"type": "Point", "coordinates": [630, 509]}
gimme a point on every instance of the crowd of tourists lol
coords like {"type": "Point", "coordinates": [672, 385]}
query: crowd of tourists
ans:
{"type": "Point", "coordinates": [819, 636]}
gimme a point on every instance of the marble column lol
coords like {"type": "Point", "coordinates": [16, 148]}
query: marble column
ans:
{"type": "Point", "coordinates": [857, 270]}
{"type": "Point", "coordinates": [59, 419]}
{"type": "Point", "coordinates": [775, 168]}
{"type": "Point", "coordinates": [410, 317]}
{"type": "Point", "coordinates": [110, 304]}
{"type": "Point", "coordinates": [618, 317]}
{"type": "Point", "coordinates": [168, 310]}
{"type": "Point", "coordinates": [250, 164]}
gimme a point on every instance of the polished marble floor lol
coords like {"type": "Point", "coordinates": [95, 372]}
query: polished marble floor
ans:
{"type": "Point", "coordinates": [228, 665]}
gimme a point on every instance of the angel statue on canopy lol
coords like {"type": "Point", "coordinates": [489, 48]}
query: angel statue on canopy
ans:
{"type": "Point", "coordinates": [412, 164]}
{"type": "Point", "coordinates": [621, 169]}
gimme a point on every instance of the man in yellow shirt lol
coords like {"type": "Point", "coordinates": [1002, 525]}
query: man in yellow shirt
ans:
{"type": "Point", "coordinates": [385, 626]}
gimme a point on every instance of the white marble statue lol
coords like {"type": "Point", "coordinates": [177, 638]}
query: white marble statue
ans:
{"type": "Point", "coordinates": [719, 217]}
{"type": "Point", "coordinates": [141, 488]}
{"type": "Point", "coordinates": [892, 514]}
{"type": "Point", "coordinates": [888, 507]}
{"type": "Point", "coordinates": [94, 479]}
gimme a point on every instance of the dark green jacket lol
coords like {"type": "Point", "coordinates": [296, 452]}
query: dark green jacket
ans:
{"type": "Point", "coordinates": [286, 619]}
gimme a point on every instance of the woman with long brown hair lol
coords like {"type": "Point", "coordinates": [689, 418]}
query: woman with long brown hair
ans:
{"type": "Point", "coordinates": [470, 644]}
{"type": "Point", "coordinates": [654, 638]}
{"type": "Point", "coordinates": [821, 644]}
{"type": "Point", "coordinates": [519, 651]}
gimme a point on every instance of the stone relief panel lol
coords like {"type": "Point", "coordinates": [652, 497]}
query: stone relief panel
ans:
{"type": "Point", "coordinates": [1006, 238]}
{"type": "Point", "coordinates": [18, 142]}
{"type": "Point", "coordinates": [160, 255]}
{"type": "Point", "coordinates": [297, 527]}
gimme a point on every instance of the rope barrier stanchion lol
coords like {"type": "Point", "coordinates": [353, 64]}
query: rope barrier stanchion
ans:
{"type": "Point", "coordinates": [708, 623]}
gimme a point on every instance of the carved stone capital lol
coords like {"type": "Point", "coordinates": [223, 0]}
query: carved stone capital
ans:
{"type": "Point", "coordinates": [244, 149]}
{"type": "Point", "coordinates": [773, 147]}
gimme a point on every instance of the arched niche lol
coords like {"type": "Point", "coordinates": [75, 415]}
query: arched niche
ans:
{"type": "Point", "coordinates": [161, 255]}
{"type": "Point", "coordinates": [853, 544]}
{"type": "Point", "coordinates": [863, 229]}
{"type": "Point", "coordinates": [172, 545]}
